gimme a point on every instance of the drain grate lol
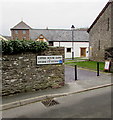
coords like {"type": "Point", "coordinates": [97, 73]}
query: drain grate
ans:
{"type": "Point", "coordinates": [49, 102]}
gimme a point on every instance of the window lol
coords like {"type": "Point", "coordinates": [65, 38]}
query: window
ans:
{"type": "Point", "coordinates": [50, 43]}
{"type": "Point", "coordinates": [99, 45]}
{"type": "Point", "coordinates": [24, 38]}
{"type": "Point", "coordinates": [41, 37]}
{"type": "Point", "coordinates": [68, 49]}
{"type": "Point", "coordinates": [16, 32]}
{"type": "Point", "coordinates": [108, 24]}
{"type": "Point", "coordinates": [24, 32]}
{"type": "Point", "coordinates": [16, 38]}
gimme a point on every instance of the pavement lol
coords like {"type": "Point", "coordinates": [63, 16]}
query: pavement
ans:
{"type": "Point", "coordinates": [86, 80]}
{"type": "Point", "coordinates": [90, 104]}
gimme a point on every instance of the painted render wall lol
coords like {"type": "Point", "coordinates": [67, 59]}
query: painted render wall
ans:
{"type": "Point", "coordinates": [77, 48]}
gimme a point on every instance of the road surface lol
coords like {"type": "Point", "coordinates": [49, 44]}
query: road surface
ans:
{"type": "Point", "coordinates": [90, 104]}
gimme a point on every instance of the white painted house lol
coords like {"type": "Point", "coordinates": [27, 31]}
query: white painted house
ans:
{"type": "Point", "coordinates": [75, 41]}
{"type": "Point", "coordinates": [80, 48]}
{"type": "Point", "coordinates": [79, 45]}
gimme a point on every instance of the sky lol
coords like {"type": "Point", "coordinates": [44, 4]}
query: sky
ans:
{"type": "Point", "coordinates": [54, 14]}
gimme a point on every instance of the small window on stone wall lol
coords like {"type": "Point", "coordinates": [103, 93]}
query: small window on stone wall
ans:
{"type": "Point", "coordinates": [99, 45]}
{"type": "Point", "coordinates": [68, 50]}
{"type": "Point", "coordinates": [108, 24]}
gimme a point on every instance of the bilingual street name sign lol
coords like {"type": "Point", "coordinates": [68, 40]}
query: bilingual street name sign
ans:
{"type": "Point", "coordinates": [49, 60]}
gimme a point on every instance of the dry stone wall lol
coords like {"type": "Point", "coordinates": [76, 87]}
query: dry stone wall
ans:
{"type": "Point", "coordinates": [21, 74]}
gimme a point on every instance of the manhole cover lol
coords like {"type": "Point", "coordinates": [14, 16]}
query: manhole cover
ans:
{"type": "Point", "coordinates": [49, 102]}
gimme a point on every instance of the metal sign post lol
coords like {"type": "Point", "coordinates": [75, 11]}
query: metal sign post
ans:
{"type": "Point", "coordinates": [75, 72]}
{"type": "Point", "coordinates": [97, 68]}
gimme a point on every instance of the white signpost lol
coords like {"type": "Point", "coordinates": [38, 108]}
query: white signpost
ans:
{"type": "Point", "coordinates": [49, 60]}
{"type": "Point", "coordinates": [107, 65]}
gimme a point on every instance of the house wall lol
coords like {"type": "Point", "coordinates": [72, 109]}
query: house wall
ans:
{"type": "Point", "coordinates": [77, 48]}
{"type": "Point", "coordinates": [112, 34]}
{"type": "Point", "coordinates": [112, 24]}
{"type": "Point", "coordinates": [100, 32]}
{"type": "Point", "coordinates": [20, 34]}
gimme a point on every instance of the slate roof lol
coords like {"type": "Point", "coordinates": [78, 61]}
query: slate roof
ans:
{"type": "Point", "coordinates": [55, 34]}
{"type": "Point", "coordinates": [21, 25]}
{"type": "Point", "coordinates": [61, 34]}
{"type": "Point", "coordinates": [2, 38]}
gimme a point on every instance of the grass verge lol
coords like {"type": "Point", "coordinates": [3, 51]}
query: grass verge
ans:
{"type": "Point", "coordinates": [88, 64]}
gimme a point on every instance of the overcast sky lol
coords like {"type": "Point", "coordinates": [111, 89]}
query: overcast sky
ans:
{"type": "Point", "coordinates": [39, 14]}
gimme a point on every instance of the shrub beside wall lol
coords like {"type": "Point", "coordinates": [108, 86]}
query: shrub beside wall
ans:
{"type": "Point", "coordinates": [21, 74]}
{"type": "Point", "coordinates": [21, 46]}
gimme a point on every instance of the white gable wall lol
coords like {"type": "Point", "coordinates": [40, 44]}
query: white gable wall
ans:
{"type": "Point", "coordinates": [77, 48]}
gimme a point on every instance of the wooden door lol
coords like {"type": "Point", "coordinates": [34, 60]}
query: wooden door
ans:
{"type": "Point", "coordinates": [83, 52]}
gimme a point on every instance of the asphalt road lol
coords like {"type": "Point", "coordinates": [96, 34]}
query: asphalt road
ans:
{"type": "Point", "coordinates": [90, 104]}
{"type": "Point", "coordinates": [81, 74]}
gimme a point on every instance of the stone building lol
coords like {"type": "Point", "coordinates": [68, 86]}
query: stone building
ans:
{"type": "Point", "coordinates": [76, 41]}
{"type": "Point", "coordinates": [101, 33]}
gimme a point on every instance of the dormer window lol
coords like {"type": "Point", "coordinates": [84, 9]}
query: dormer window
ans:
{"type": "Point", "coordinates": [41, 37]}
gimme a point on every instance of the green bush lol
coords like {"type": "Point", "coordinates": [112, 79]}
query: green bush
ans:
{"type": "Point", "coordinates": [21, 46]}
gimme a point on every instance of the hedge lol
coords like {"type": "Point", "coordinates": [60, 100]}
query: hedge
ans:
{"type": "Point", "coordinates": [21, 46]}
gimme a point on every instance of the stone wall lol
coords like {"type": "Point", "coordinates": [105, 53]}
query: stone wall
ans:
{"type": "Point", "coordinates": [112, 24]}
{"type": "Point", "coordinates": [21, 74]}
{"type": "Point", "coordinates": [100, 35]}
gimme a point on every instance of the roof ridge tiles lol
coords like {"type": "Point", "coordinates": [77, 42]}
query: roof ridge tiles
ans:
{"type": "Point", "coordinates": [62, 29]}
